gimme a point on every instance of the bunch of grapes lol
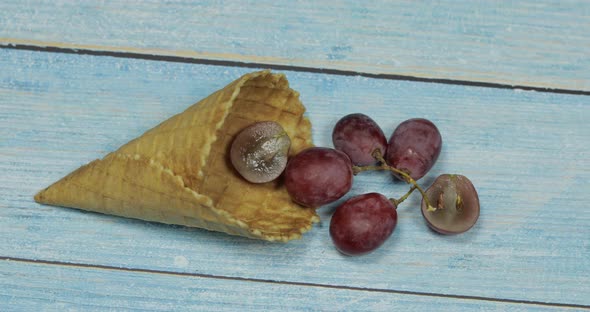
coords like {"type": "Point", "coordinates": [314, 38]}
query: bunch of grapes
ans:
{"type": "Point", "coordinates": [319, 175]}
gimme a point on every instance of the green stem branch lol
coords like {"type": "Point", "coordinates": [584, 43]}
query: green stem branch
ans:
{"type": "Point", "coordinates": [401, 199]}
{"type": "Point", "coordinates": [384, 166]}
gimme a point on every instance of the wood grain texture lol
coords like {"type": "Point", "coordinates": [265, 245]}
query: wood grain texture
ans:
{"type": "Point", "coordinates": [537, 43]}
{"type": "Point", "coordinates": [526, 152]}
{"type": "Point", "coordinates": [34, 287]}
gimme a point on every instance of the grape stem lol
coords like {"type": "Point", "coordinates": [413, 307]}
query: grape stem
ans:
{"type": "Point", "coordinates": [396, 202]}
{"type": "Point", "coordinates": [384, 166]}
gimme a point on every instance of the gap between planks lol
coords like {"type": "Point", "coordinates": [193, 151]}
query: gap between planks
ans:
{"type": "Point", "coordinates": [269, 281]}
{"type": "Point", "coordinates": [251, 62]}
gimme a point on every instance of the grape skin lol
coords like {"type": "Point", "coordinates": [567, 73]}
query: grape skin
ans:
{"type": "Point", "coordinates": [414, 147]}
{"type": "Point", "coordinates": [457, 204]}
{"type": "Point", "coordinates": [358, 136]}
{"type": "Point", "coordinates": [363, 223]}
{"type": "Point", "coordinates": [318, 176]}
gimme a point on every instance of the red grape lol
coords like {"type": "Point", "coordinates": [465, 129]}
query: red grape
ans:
{"type": "Point", "coordinates": [358, 136]}
{"type": "Point", "coordinates": [318, 176]}
{"type": "Point", "coordinates": [456, 203]}
{"type": "Point", "coordinates": [363, 223]}
{"type": "Point", "coordinates": [259, 152]}
{"type": "Point", "coordinates": [414, 147]}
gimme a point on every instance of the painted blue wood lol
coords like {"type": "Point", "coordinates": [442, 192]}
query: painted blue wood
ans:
{"type": "Point", "coordinates": [35, 287]}
{"type": "Point", "coordinates": [526, 152]}
{"type": "Point", "coordinates": [541, 43]}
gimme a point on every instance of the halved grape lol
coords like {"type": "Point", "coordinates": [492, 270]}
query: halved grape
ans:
{"type": "Point", "coordinates": [259, 152]}
{"type": "Point", "coordinates": [318, 176]}
{"type": "Point", "coordinates": [414, 147]}
{"type": "Point", "coordinates": [456, 203]}
{"type": "Point", "coordinates": [358, 136]}
{"type": "Point", "coordinates": [363, 223]}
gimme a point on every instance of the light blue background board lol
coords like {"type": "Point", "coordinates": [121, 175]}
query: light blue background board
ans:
{"type": "Point", "coordinates": [37, 287]}
{"type": "Point", "coordinates": [538, 43]}
{"type": "Point", "coordinates": [526, 152]}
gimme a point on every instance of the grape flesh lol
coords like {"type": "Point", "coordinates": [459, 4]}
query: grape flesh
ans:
{"type": "Point", "coordinates": [318, 176]}
{"type": "Point", "coordinates": [456, 203]}
{"type": "Point", "coordinates": [358, 136]}
{"type": "Point", "coordinates": [363, 223]}
{"type": "Point", "coordinates": [259, 152]}
{"type": "Point", "coordinates": [414, 147]}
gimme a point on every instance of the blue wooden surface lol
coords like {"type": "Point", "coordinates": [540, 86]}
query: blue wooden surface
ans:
{"type": "Point", "coordinates": [62, 288]}
{"type": "Point", "coordinates": [527, 153]}
{"type": "Point", "coordinates": [540, 43]}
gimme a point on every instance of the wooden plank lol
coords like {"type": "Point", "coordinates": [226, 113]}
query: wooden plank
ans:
{"type": "Point", "coordinates": [537, 43]}
{"type": "Point", "coordinates": [526, 152]}
{"type": "Point", "coordinates": [34, 287]}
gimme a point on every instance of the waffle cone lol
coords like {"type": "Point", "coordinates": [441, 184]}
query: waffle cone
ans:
{"type": "Point", "coordinates": [179, 172]}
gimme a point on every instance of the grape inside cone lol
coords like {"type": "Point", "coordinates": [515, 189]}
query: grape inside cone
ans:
{"type": "Point", "coordinates": [259, 152]}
